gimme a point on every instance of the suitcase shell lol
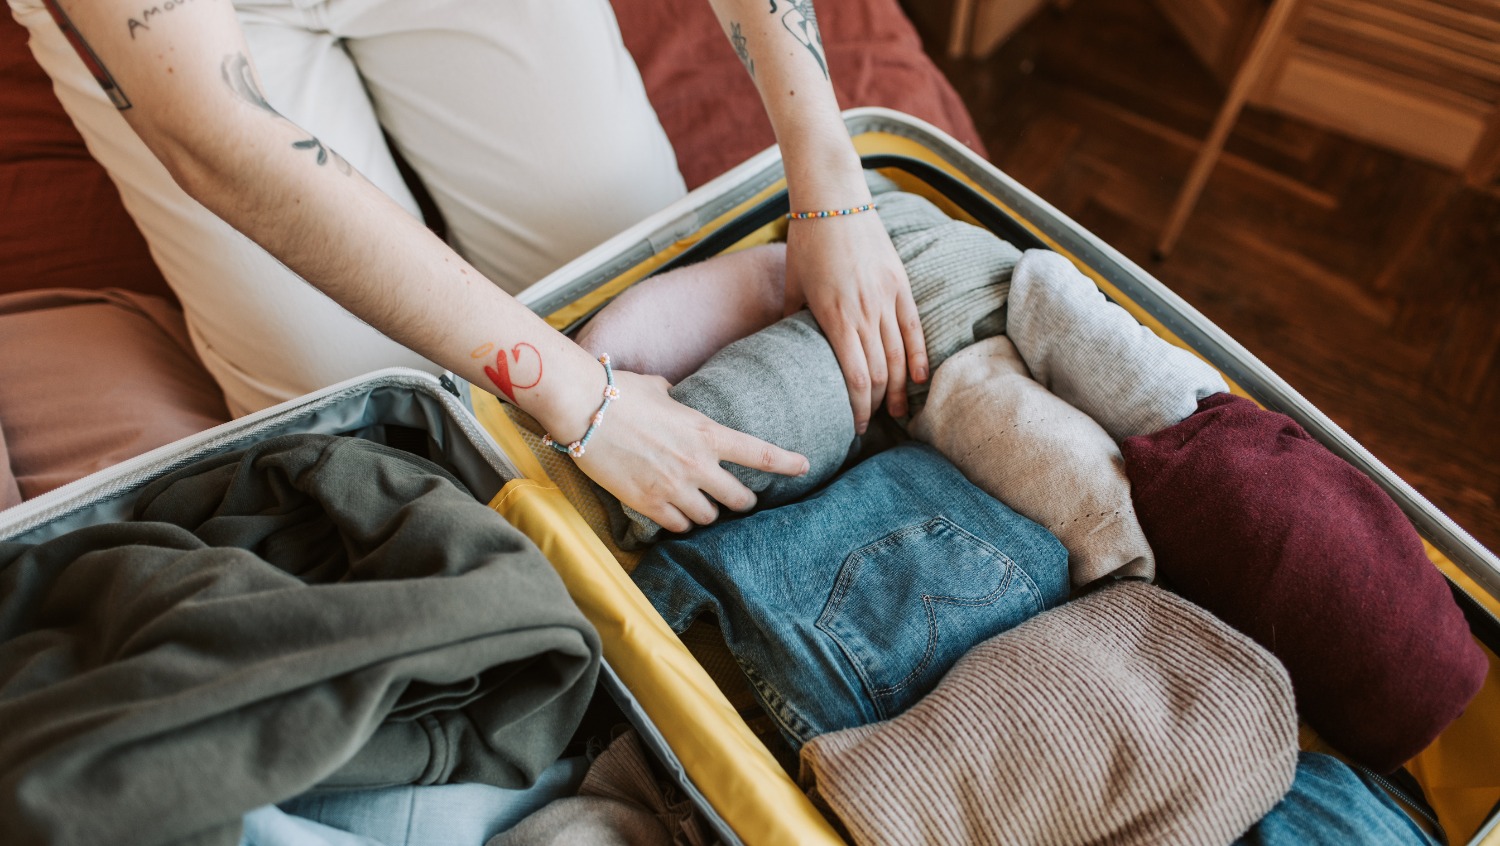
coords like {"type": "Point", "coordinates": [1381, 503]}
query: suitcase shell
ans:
{"type": "Point", "coordinates": [369, 406]}
{"type": "Point", "coordinates": [1460, 773]}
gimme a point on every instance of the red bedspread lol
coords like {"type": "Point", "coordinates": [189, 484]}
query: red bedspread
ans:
{"type": "Point", "coordinates": [710, 109]}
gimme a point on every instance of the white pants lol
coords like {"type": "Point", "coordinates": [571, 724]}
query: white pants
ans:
{"type": "Point", "coordinates": [526, 119]}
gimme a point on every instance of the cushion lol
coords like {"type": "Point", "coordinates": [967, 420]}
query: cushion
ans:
{"type": "Point", "coordinates": [1259, 523]}
{"type": "Point", "coordinates": [74, 232]}
{"type": "Point", "coordinates": [710, 108]}
{"type": "Point", "coordinates": [91, 378]}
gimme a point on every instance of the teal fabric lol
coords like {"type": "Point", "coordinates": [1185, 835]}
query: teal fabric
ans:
{"type": "Point", "coordinates": [1332, 805]}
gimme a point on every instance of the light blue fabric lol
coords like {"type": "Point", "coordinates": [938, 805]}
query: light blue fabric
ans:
{"type": "Point", "coordinates": [271, 826]}
{"type": "Point", "coordinates": [1332, 805]}
{"type": "Point", "coordinates": [846, 608]}
{"type": "Point", "coordinates": [438, 815]}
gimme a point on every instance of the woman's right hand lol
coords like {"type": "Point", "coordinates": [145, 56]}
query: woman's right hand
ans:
{"type": "Point", "coordinates": [661, 458]}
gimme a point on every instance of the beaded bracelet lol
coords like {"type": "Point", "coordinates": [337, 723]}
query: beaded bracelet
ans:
{"type": "Point", "coordinates": [808, 215]}
{"type": "Point", "coordinates": [577, 448]}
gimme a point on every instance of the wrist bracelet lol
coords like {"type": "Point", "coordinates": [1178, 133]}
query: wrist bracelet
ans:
{"type": "Point", "coordinates": [808, 215]}
{"type": "Point", "coordinates": [577, 448]}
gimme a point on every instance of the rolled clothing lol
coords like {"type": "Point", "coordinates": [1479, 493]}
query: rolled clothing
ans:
{"type": "Point", "coordinates": [784, 384]}
{"type": "Point", "coordinates": [1046, 459]}
{"type": "Point", "coordinates": [670, 325]}
{"type": "Point", "coordinates": [1332, 805]}
{"type": "Point", "coordinates": [1098, 358]}
{"type": "Point", "coordinates": [1129, 716]}
{"type": "Point", "coordinates": [960, 274]}
{"type": "Point", "coordinates": [312, 611]}
{"type": "Point", "coordinates": [623, 801]}
{"type": "Point", "coordinates": [1256, 521]}
{"type": "Point", "coordinates": [845, 608]}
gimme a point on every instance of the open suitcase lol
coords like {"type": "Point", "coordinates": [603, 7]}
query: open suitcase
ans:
{"type": "Point", "coordinates": [684, 715]}
{"type": "Point", "coordinates": [1459, 774]}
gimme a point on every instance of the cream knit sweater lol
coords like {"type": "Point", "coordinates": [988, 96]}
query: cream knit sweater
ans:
{"type": "Point", "coordinates": [1130, 716]}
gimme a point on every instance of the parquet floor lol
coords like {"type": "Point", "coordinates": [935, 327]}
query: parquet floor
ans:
{"type": "Point", "coordinates": [1369, 281]}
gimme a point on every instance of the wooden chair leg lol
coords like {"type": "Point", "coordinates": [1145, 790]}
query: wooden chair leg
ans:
{"type": "Point", "coordinates": [1239, 90]}
{"type": "Point", "coordinates": [960, 31]}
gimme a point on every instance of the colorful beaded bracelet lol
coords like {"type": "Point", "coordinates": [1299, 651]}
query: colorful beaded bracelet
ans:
{"type": "Point", "coordinates": [577, 448]}
{"type": "Point", "coordinates": [808, 215]}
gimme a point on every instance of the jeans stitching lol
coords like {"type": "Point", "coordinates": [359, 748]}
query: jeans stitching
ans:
{"type": "Point", "coordinates": [780, 708]}
{"type": "Point", "coordinates": [847, 577]}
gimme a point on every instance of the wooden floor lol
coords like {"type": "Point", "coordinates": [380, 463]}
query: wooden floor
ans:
{"type": "Point", "coordinates": [1368, 281]}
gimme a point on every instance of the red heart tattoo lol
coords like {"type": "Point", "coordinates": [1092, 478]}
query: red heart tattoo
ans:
{"type": "Point", "coordinates": [500, 373]}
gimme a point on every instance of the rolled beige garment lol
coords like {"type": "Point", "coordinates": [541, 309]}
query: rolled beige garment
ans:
{"type": "Point", "coordinates": [1042, 457]}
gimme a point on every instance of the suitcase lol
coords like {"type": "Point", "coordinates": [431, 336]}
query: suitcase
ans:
{"type": "Point", "coordinates": [1459, 774]}
{"type": "Point", "coordinates": [397, 406]}
{"type": "Point", "coordinates": [676, 697]}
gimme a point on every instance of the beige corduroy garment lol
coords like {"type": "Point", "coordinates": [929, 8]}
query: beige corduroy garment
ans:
{"type": "Point", "coordinates": [1130, 716]}
{"type": "Point", "coordinates": [1044, 458]}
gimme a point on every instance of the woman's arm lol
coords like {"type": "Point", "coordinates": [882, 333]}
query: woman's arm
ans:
{"type": "Point", "coordinates": [843, 268]}
{"type": "Point", "coordinates": [186, 85]}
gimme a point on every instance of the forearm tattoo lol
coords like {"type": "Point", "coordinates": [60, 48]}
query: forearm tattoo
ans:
{"type": "Point", "coordinates": [90, 59]}
{"type": "Point", "coordinates": [802, 22]}
{"type": "Point", "coordinates": [501, 374]}
{"type": "Point", "coordinates": [240, 78]}
{"type": "Point", "coordinates": [149, 12]}
{"type": "Point", "coordinates": [740, 43]}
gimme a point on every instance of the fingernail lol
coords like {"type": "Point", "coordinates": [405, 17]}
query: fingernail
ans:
{"type": "Point", "coordinates": [860, 429]}
{"type": "Point", "coordinates": [919, 373]}
{"type": "Point", "coordinates": [806, 468]}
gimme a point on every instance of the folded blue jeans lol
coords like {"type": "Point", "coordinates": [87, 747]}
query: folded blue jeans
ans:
{"type": "Point", "coordinates": [1330, 804]}
{"type": "Point", "coordinates": [847, 607]}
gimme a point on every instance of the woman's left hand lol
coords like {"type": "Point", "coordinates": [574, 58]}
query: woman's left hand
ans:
{"type": "Point", "coordinates": [847, 272]}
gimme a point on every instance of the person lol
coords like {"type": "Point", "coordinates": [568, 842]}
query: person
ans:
{"type": "Point", "coordinates": [527, 120]}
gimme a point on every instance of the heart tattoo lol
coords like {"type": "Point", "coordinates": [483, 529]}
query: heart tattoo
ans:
{"type": "Point", "coordinates": [500, 373]}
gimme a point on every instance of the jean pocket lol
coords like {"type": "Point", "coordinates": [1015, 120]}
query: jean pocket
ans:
{"type": "Point", "coordinates": [908, 606]}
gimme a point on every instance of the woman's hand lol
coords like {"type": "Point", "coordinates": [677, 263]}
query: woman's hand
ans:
{"type": "Point", "coordinates": [846, 271]}
{"type": "Point", "coordinates": [662, 458]}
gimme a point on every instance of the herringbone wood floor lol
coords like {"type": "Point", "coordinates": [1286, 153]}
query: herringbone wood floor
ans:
{"type": "Point", "coordinates": [1369, 281]}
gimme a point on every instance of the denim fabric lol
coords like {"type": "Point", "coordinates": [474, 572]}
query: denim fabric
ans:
{"type": "Point", "coordinates": [1332, 804]}
{"type": "Point", "coordinates": [437, 815]}
{"type": "Point", "coordinates": [845, 608]}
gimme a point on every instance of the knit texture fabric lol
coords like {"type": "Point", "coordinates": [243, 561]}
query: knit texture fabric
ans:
{"type": "Point", "coordinates": [782, 385]}
{"type": "Point", "coordinates": [1044, 458]}
{"type": "Point", "coordinates": [1097, 357]}
{"type": "Point", "coordinates": [1130, 716]}
{"type": "Point", "coordinates": [312, 611]}
{"type": "Point", "coordinates": [1262, 525]}
{"type": "Point", "coordinates": [960, 273]}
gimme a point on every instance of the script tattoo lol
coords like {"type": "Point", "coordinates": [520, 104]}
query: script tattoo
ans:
{"type": "Point", "coordinates": [90, 60]}
{"type": "Point", "coordinates": [150, 12]}
{"type": "Point", "coordinates": [802, 22]}
{"type": "Point", "coordinates": [240, 78]}
{"type": "Point", "coordinates": [739, 41]}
